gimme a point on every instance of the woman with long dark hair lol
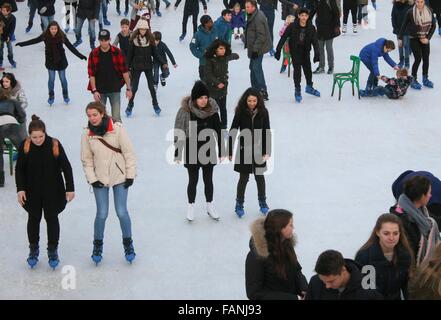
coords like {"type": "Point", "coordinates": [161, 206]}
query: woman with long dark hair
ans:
{"type": "Point", "coordinates": [54, 39]}
{"type": "Point", "coordinates": [45, 184]}
{"type": "Point", "coordinates": [142, 52]}
{"type": "Point", "coordinates": [254, 147]}
{"type": "Point", "coordinates": [388, 251]}
{"type": "Point", "coordinates": [272, 270]}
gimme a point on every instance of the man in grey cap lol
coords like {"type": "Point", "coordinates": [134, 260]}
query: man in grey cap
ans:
{"type": "Point", "coordinates": [108, 73]}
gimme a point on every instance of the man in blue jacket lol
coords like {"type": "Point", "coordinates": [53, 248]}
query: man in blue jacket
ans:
{"type": "Point", "coordinates": [202, 40]}
{"type": "Point", "coordinates": [369, 56]}
{"type": "Point", "coordinates": [223, 26]}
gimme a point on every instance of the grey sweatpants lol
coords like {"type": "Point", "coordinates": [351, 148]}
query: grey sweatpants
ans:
{"type": "Point", "coordinates": [329, 53]}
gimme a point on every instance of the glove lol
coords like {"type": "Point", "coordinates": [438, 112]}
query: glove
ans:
{"type": "Point", "coordinates": [18, 44]}
{"type": "Point", "coordinates": [128, 183]}
{"type": "Point", "coordinates": [83, 58]}
{"type": "Point", "coordinates": [277, 55]}
{"type": "Point", "coordinates": [42, 10]}
{"type": "Point", "coordinates": [97, 184]}
{"type": "Point", "coordinates": [316, 58]}
{"type": "Point", "coordinates": [254, 55]}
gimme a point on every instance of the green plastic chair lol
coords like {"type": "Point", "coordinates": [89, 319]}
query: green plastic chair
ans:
{"type": "Point", "coordinates": [353, 76]}
{"type": "Point", "coordinates": [9, 150]}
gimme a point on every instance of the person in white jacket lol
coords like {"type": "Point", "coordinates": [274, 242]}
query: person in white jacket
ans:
{"type": "Point", "coordinates": [109, 162]}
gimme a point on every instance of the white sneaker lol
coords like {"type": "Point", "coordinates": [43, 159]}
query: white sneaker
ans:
{"type": "Point", "coordinates": [355, 28]}
{"type": "Point", "coordinates": [211, 211]}
{"type": "Point", "coordinates": [190, 212]}
{"type": "Point", "coordinates": [344, 29]}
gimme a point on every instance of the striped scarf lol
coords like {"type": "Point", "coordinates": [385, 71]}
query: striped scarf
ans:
{"type": "Point", "coordinates": [423, 21]}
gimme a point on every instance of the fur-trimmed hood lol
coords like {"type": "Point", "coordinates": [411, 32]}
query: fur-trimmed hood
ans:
{"type": "Point", "coordinates": [258, 242]}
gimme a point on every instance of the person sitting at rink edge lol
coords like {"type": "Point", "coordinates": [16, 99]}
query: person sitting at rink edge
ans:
{"type": "Point", "coordinates": [338, 279]}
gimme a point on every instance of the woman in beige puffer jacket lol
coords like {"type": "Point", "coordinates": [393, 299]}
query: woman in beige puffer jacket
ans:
{"type": "Point", "coordinates": [108, 162]}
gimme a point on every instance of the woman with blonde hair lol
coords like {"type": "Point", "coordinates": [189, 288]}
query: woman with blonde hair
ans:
{"type": "Point", "coordinates": [426, 284]}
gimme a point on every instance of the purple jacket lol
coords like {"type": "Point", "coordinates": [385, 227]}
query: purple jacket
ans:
{"type": "Point", "coordinates": [238, 20]}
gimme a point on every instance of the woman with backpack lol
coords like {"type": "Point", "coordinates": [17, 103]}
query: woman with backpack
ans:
{"type": "Point", "coordinates": [41, 189]}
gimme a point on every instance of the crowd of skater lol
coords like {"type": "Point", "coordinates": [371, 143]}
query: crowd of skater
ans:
{"type": "Point", "coordinates": [404, 245]}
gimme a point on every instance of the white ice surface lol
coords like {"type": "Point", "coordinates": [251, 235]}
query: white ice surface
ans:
{"type": "Point", "coordinates": [334, 163]}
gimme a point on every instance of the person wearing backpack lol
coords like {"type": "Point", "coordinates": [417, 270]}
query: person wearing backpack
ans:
{"type": "Point", "coordinates": [41, 165]}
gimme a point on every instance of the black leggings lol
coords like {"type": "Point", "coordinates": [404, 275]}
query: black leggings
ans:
{"type": "Point", "coordinates": [306, 65]}
{"type": "Point", "coordinates": [53, 227]}
{"type": "Point", "coordinates": [222, 103]}
{"type": "Point", "coordinates": [353, 8]}
{"type": "Point", "coordinates": [134, 78]}
{"type": "Point", "coordinates": [193, 177]}
{"type": "Point", "coordinates": [420, 52]}
{"type": "Point", "coordinates": [185, 20]}
{"type": "Point", "coordinates": [242, 185]}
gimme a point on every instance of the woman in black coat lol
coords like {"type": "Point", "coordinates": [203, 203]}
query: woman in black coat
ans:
{"type": "Point", "coordinates": [254, 147]}
{"type": "Point", "coordinates": [142, 51]}
{"type": "Point", "coordinates": [328, 28]}
{"type": "Point", "coordinates": [54, 39]}
{"type": "Point", "coordinates": [199, 114]}
{"type": "Point", "coordinates": [272, 271]}
{"type": "Point", "coordinates": [388, 251]}
{"type": "Point", "coordinates": [218, 55]}
{"type": "Point", "coordinates": [39, 172]}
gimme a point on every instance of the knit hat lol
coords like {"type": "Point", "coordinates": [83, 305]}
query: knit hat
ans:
{"type": "Point", "coordinates": [199, 90]}
{"type": "Point", "coordinates": [142, 24]}
{"type": "Point", "coordinates": [204, 19]}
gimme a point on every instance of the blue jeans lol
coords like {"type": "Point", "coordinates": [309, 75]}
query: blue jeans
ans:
{"type": "Point", "coordinates": [115, 103]}
{"type": "Point", "coordinates": [79, 27]}
{"type": "Point", "coordinates": [102, 210]}
{"type": "Point", "coordinates": [63, 80]}
{"type": "Point", "coordinates": [256, 74]}
{"type": "Point", "coordinates": [372, 81]}
{"type": "Point", "coordinates": [103, 11]}
{"type": "Point", "coordinates": [404, 51]}
{"type": "Point", "coordinates": [45, 21]}
{"type": "Point", "coordinates": [10, 50]}
{"type": "Point", "coordinates": [164, 73]}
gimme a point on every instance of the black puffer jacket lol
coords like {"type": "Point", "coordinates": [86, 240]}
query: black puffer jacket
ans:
{"type": "Point", "coordinates": [261, 279]}
{"type": "Point", "coordinates": [12, 108]}
{"type": "Point", "coordinates": [391, 279]}
{"type": "Point", "coordinates": [398, 15]}
{"type": "Point", "coordinates": [354, 291]}
{"type": "Point", "coordinates": [141, 57]}
{"type": "Point", "coordinates": [216, 72]}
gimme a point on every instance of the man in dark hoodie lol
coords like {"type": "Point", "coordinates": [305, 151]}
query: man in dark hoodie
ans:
{"type": "Point", "coordinates": [338, 279]}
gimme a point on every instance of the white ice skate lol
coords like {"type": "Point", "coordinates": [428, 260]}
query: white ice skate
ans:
{"type": "Point", "coordinates": [211, 211]}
